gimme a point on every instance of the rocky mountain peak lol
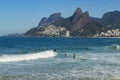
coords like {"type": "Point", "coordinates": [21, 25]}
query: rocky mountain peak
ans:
{"type": "Point", "coordinates": [79, 20]}
{"type": "Point", "coordinates": [86, 14]}
{"type": "Point", "coordinates": [78, 11]}
{"type": "Point", "coordinates": [52, 18]}
{"type": "Point", "coordinates": [77, 14]}
{"type": "Point", "coordinates": [43, 21]}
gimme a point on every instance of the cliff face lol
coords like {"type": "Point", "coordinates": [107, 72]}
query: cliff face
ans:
{"type": "Point", "coordinates": [79, 21]}
{"type": "Point", "coordinates": [75, 22]}
{"type": "Point", "coordinates": [43, 22]}
{"type": "Point", "coordinates": [52, 18]}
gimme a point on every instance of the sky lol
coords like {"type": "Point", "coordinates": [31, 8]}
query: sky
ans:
{"type": "Point", "coordinates": [18, 16]}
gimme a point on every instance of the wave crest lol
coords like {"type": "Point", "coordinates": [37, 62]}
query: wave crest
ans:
{"type": "Point", "coordinates": [26, 57]}
{"type": "Point", "coordinates": [113, 47]}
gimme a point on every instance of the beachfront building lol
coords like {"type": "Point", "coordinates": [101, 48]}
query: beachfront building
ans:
{"type": "Point", "coordinates": [67, 33]}
{"type": "Point", "coordinates": [109, 33]}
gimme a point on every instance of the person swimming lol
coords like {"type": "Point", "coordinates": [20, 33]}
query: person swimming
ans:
{"type": "Point", "coordinates": [65, 54]}
{"type": "Point", "coordinates": [54, 50]}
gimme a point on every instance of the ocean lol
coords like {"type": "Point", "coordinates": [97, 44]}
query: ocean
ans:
{"type": "Point", "coordinates": [34, 58]}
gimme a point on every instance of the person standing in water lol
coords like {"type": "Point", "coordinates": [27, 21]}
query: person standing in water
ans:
{"type": "Point", "coordinates": [74, 56]}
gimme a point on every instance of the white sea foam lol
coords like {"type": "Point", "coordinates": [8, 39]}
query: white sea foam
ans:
{"type": "Point", "coordinates": [26, 57]}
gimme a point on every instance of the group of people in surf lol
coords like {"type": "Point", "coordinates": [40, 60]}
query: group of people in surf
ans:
{"type": "Point", "coordinates": [74, 55]}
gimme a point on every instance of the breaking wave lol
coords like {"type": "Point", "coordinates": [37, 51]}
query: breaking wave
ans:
{"type": "Point", "coordinates": [26, 57]}
{"type": "Point", "coordinates": [113, 47]}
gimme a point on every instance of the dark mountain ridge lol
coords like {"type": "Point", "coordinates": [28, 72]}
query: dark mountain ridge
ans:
{"type": "Point", "coordinates": [79, 24]}
{"type": "Point", "coordinates": [75, 22]}
{"type": "Point", "coordinates": [78, 21]}
{"type": "Point", "coordinates": [111, 19]}
{"type": "Point", "coordinates": [52, 18]}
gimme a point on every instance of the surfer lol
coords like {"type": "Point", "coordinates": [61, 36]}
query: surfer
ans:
{"type": "Point", "coordinates": [74, 56]}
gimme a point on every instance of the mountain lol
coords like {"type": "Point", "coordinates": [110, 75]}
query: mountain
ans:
{"type": "Point", "coordinates": [81, 21]}
{"type": "Point", "coordinates": [45, 22]}
{"type": "Point", "coordinates": [79, 24]}
{"type": "Point", "coordinates": [52, 18]}
{"type": "Point", "coordinates": [111, 19]}
{"type": "Point", "coordinates": [75, 22]}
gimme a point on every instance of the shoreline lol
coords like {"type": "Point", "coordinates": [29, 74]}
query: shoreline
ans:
{"type": "Point", "coordinates": [58, 37]}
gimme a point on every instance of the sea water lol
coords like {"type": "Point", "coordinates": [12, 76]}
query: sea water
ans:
{"type": "Point", "coordinates": [34, 58]}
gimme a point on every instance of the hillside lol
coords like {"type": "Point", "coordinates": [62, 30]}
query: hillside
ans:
{"type": "Point", "coordinates": [111, 19]}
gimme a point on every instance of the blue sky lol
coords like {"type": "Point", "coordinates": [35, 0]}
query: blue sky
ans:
{"type": "Point", "coordinates": [18, 16]}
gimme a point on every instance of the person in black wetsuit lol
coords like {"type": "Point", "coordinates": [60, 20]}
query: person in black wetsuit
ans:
{"type": "Point", "coordinates": [54, 50]}
{"type": "Point", "coordinates": [74, 56]}
{"type": "Point", "coordinates": [65, 54]}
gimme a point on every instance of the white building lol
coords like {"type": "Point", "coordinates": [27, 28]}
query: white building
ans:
{"type": "Point", "coordinates": [67, 34]}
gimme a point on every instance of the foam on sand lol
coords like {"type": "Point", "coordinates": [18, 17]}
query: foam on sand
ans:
{"type": "Point", "coordinates": [26, 57]}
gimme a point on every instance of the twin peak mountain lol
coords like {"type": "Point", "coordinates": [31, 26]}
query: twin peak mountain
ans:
{"type": "Point", "coordinates": [79, 24]}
